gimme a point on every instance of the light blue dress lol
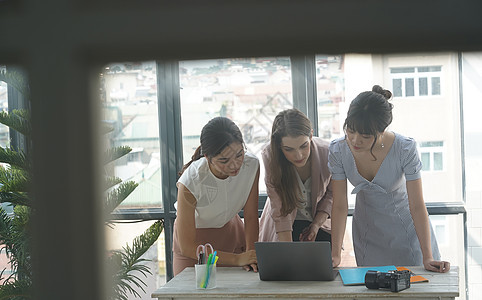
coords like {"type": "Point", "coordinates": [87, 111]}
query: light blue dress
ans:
{"type": "Point", "coordinates": [383, 230]}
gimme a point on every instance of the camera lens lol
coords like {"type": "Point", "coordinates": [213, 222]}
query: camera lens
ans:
{"type": "Point", "coordinates": [371, 279]}
{"type": "Point", "coordinates": [377, 279]}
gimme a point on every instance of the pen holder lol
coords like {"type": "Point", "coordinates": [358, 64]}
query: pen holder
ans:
{"type": "Point", "coordinates": [205, 276]}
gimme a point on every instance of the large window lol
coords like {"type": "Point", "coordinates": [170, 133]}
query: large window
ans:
{"type": "Point", "coordinates": [129, 101]}
{"type": "Point", "coordinates": [250, 91]}
{"type": "Point", "coordinates": [330, 92]}
{"type": "Point", "coordinates": [434, 123]}
{"type": "Point", "coordinates": [128, 95]}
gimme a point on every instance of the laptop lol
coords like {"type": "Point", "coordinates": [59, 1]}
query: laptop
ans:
{"type": "Point", "coordinates": [295, 261]}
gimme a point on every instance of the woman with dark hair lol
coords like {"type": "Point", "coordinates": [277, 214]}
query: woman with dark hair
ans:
{"type": "Point", "coordinates": [297, 181]}
{"type": "Point", "coordinates": [390, 222]}
{"type": "Point", "coordinates": [219, 181]}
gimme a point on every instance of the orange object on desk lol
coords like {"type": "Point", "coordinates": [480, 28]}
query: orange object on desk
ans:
{"type": "Point", "coordinates": [413, 277]}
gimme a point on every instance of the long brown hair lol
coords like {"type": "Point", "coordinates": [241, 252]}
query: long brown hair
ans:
{"type": "Point", "coordinates": [216, 135]}
{"type": "Point", "coordinates": [293, 123]}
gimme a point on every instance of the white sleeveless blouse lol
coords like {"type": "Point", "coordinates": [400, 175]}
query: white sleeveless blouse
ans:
{"type": "Point", "coordinates": [218, 200]}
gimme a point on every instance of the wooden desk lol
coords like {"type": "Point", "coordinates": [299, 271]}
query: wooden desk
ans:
{"type": "Point", "coordinates": [236, 283]}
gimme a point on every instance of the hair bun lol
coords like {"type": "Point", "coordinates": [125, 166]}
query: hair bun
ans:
{"type": "Point", "coordinates": [379, 90]}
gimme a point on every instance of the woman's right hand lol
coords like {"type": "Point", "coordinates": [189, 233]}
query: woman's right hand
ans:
{"type": "Point", "coordinates": [248, 260]}
{"type": "Point", "coordinates": [336, 259]}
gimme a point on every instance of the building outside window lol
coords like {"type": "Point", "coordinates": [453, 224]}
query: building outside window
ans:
{"type": "Point", "coordinates": [416, 81]}
{"type": "Point", "coordinates": [128, 96]}
{"type": "Point", "coordinates": [439, 224]}
{"type": "Point", "coordinates": [434, 123]}
{"type": "Point", "coordinates": [330, 93]}
{"type": "Point", "coordinates": [250, 91]}
{"type": "Point", "coordinates": [431, 154]}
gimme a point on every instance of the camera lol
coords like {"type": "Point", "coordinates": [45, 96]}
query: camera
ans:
{"type": "Point", "coordinates": [396, 281]}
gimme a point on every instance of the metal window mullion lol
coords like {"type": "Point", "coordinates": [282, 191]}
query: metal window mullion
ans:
{"type": "Point", "coordinates": [303, 77]}
{"type": "Point", "coordinates": [434, 209]}
{"type": "Point", "coordinates": [16, 101]}
{"type": "Point", "coordinates": [462, 151]}
{"type": "Point", "coordinates": [140, 214]}
{"type": "Point", "coordinates": [170, 136]}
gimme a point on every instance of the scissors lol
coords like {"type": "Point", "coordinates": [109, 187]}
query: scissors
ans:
{"type": "Point", "coordinates": [202, 252]}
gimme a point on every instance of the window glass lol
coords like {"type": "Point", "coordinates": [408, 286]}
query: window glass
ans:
{"type": "Point", "coordinates": [402, 70]}
{"type": "Point", "coordinates": [250, 91]}
{"type": "Point", "coordinates": [397, 87]}
{"type": "Point", "coordinates": [348, 259]}
{"type": "Point", "coordinates": [422, 86]}
{"type": "Point", "coordinates": [4, 130]}
{"type": "Point", "coordinates": [434, 126]}
{"type": "Point", "coordinates": [425, 161]}
{"type": "Point", "coordinates": [472, 106]}
{"type": "Point", "coordinates": [121, 234]}
{"type": "Point", "coordinates": [448, 231]}
{"type": "Point", "coordinates": [436, 86]}
{"type": "Point", "coordinates": [409, 87]}
{"type": "Point", "coordinates": [432, 155]}
{"type": "Point", "coordinates": [431, 144]}
{"type": "Point", "coordinates": [330, 94]}
{"type": "Point", "coordinates": [438, 161]}
{"type": "Point", "coordinates": [128, 94]}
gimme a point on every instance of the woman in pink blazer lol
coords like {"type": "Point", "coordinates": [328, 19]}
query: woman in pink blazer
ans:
{"type": "Point", "coordinates": [298, 182]}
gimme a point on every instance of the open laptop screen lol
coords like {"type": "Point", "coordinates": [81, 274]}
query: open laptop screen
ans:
{"type": "Point", "coordinates": [294, 261]}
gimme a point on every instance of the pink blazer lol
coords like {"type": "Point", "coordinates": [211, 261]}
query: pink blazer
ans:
{"type": "Point", "coordinates": [271, 220]}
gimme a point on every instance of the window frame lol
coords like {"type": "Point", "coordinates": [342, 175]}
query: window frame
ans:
{"type": "Point", "coordinates": [303, 70]}
{"type": "Point", "coordinates": [431, 150]}
{"type": "Point", "coordinates": [416, 76]}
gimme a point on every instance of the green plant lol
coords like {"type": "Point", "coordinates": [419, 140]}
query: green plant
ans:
{"type": "Point", "coordinates": [15, 237]}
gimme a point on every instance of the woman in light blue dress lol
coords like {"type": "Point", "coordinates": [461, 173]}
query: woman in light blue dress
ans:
{"type": "Point", "coordinates": [390, 220]}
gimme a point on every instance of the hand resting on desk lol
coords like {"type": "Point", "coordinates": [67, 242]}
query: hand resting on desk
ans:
{"type": "Point", "coordinates": [436, 266]}
{"type": "Point", "coordinates": [248, 260]}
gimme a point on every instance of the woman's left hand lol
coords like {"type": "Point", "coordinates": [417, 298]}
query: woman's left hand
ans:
{"type": "Point", "coordinates": [309, 233]}
{"type": "Point", "coordinates": [436, 265]}
{"type": "Point", "coordinates": [251, 267]}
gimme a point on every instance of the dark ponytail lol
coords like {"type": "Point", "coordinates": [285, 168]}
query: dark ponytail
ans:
{"type": "Point", "coordinates": [216, 135]}
{"type": "Point", "coordinates": [197, 155]}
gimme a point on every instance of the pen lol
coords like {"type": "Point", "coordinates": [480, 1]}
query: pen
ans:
{"type": "Point", "coordinates": [200, 260]}
{"type": "Point", "coordinates": [205, 283]}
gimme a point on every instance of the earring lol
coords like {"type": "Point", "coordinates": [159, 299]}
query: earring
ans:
{"type": "Point", "coordinates": [381, 139]}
